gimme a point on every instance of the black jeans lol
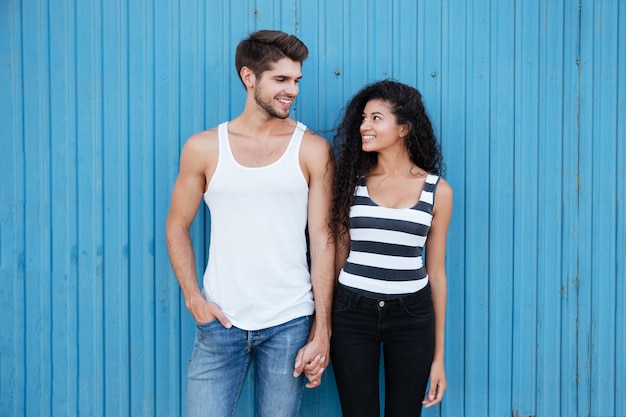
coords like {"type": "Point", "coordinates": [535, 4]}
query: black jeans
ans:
{"type": "Point", "coordinates": [404, 327]}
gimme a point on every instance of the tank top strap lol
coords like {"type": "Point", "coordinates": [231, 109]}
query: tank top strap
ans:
{"type": "Point", "coordinates": [293, 147]}
{"type": "Point", "coordinates": [222, 138]}
{"type": "Point", "coordinates": [296, 140]}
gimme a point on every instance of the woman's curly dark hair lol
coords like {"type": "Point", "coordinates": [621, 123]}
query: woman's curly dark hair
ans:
{"type": "Point", "coordinates": [354, 163]}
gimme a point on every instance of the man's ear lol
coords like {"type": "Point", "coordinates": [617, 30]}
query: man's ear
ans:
{"type": "Point", "coordinates": [247, 76]}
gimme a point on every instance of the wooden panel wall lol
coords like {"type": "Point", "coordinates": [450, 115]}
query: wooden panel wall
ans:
{"type": "Point", "coordinates": [98, 97]}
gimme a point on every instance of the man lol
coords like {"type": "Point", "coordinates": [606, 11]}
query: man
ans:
{"type": "Point", "coordinates": [265, 179]}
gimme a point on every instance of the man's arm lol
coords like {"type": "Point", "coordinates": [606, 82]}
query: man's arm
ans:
{"type": "Point", "coordinates": [319, 165]}
{"type": "Point", "coordinates": [186, 198]}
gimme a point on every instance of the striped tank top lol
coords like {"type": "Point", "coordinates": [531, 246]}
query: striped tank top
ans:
{"type": "Point", "coordinates": [387, 244]}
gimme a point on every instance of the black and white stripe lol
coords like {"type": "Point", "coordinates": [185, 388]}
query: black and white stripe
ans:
{"type": "Point", "coordinates": [387, 244]}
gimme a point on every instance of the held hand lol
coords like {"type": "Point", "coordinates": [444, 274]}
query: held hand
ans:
{"type": "Point", "coordinates": [314, 371]}
{"type": "Point", "coordinates": [437, 385]}
{"type": "Point", "coordinates": [204, 311]}
{"type": "Point", "coordinates": [312, 359]}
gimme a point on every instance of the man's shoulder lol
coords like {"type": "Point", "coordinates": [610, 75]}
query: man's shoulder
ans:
{"type": "Point", "coordinates": [210, 133]}
{"type": "Point", "coordinates": [200, 149]}
{"type": "Point", "coordinates": [205, 140]}
{"type": "Point", "coordinates": [315, 150]}
{"type": "Point", "coordinates": [315, 141]}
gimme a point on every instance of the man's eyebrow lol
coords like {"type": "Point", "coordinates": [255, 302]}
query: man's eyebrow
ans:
{"type": "Point", "coordinates": [286, 76]}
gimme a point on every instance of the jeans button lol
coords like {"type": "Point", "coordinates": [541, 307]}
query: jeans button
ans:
{"type": "Point", "coordinates": [381, 304]}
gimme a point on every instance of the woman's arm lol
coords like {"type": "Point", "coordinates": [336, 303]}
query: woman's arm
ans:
{"type": "Point", "coordinates": [436, 268]}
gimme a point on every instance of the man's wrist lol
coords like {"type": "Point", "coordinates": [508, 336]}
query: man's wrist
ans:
{"type": "Point", "coordinates": [322, 327]}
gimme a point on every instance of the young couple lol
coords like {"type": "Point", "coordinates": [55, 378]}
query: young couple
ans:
{"type": "Point", "coordinates": [267, 293]}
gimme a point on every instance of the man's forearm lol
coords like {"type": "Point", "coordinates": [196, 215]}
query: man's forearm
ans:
{"type": "Point", "coordinates": [323, 280]}
{"type": "Point", "coordinates": [183, 262]}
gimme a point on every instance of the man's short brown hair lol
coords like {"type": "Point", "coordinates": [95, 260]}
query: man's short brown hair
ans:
{"type": "Point", "coordinates": [266, 47]}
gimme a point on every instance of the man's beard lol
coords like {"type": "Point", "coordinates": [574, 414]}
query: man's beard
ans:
{"type": "Point", "coordinates": [267, 106]}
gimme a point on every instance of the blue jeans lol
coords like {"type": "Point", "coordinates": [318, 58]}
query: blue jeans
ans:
{"type": "Point", "coordinates": [404, 327]}
{"type": "Point", "coordinates": [220, 361]}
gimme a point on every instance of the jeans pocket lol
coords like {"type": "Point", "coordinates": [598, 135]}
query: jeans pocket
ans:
{"type": "Point", "coordinates": [423, 309]}
{"type": "Point", "coordinates": [340, 305]}
{"type": "Point", "coordinates": [206, 327]}
{"type": "Point", "coordinates": [343, 300]}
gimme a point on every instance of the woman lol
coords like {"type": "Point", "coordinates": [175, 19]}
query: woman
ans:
{"type": "Point", "coordinates": [390, 205]}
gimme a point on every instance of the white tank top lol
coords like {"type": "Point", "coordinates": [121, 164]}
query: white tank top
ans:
{"type": "Point", "coordinates": [257, 271]}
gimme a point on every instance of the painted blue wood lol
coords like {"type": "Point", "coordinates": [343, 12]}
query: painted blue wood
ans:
{"type": "Point", "coordinates": [63, 208]}
{"type": "Point", "coordinates": [97, 99]}
{"type": "Point", "coordinates": [92, 109]}
{"type": "Point", "coordinates": [501, 208]}
{"type": "Point", "coordinates": [168, 397]}
{"type": "Point", "coordinates": [140, 199]}
{"type": "Point", "coordinates": [477, 254]}
{"type": "Point", "coordinates": [12, 214]}
{"type": "Point", "coordinates": [549, 262]}
{"type": "Point", "coordinates": [585, 271]}
{"type": "Point", "coordinates": [569, 367]}
{"type": "Point", "coordinates": [603, 64]}
{"type": "Point", "coordinates": [620, 230]}
{"type": "Point", "coordinates": [36, 139]}
{"type": "Point", "coordinates": [455, 143]}
{"type": "Point", "coordinates": [526, 214]}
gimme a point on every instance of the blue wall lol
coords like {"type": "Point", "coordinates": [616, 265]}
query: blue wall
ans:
{"type": "Point", "coordinates": [97, 98]}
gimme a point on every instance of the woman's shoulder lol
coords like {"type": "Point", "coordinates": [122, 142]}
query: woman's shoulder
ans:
{"type": "Point", "coordinates": [443, 193]}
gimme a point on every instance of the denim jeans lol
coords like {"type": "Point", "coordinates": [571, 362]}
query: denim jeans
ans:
{"type": "Point", "coordinates": [404, 328]}
{"type": "Point", "coordinates": [220, 361]}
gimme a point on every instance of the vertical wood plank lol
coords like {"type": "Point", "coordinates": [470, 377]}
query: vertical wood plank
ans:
{"type": "Point", "coordinates": [91, 233]}
{"type": "Point", "coordinates": [118, 390]}
{"type": "Point", "coordinates": [455, 143]}
{"type": "Point", "coordinates": [63, 243]}
{"type": "Point", "coordinates": [476, 204]}
{"type": "Point", "coordinates": [585, 203]}
{"type": "Point", "coordinates": [603, 222]}
{"type": "Point", "coordinates": [549, 192]}
{"type": "Point", "coordinates": [12, 212]}
{"type": "Point", "coordinates": [408, 17]}
{"type": "Point", "coordinates": [167, 100]}
{"type": "Point", "coordinates": [620, 231]}
{"type": "Point", "coordinates": [141, 200]}
{"type": "Point", "coordinates": [501, 209]}
{"type": "Point", "coordinates": [570, 201]}
{"type": "Point", "coordinates": [526, 208]}
{"type": "Point", "coordinates": [36, 88]}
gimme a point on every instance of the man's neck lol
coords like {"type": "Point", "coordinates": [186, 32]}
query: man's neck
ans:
{"type": "Point", "coordinates": [248, 124]}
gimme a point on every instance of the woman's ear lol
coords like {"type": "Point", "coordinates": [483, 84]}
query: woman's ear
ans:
{"type": "Point", "coordinates": [405, 129]}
